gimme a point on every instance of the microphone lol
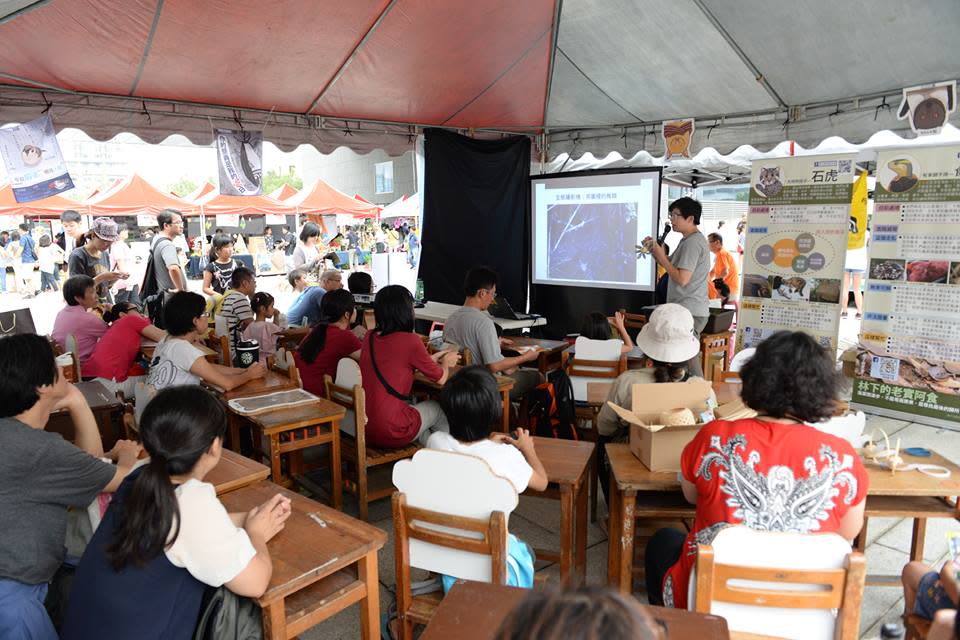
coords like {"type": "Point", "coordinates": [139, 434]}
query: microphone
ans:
{"type": "Point", "coordinates": [666, 231]}
{"type": "Point", "coordinates": [644, 249]}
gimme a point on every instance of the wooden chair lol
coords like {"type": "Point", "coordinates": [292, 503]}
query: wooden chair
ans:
{"type": "Point", "coordinates": [916, 627]}
{"type": "Point", "coordinates": [714, 345]}
{"type": "Point", "coordinates": [358, 456]}
{"type": "Point", "coordinates": [633, 320]}
{"type": "Point", "coordinates": [450, 517]}
{"type": "Point", "coordinates": [767, 583]}
{"type": "Point", "coordinates": [583, 371]}
{"type": "Point", "coordinates": [726, 376]}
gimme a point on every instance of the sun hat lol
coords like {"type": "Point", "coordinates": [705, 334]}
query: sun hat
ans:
{"type": "Point", "coordinates": [105, 229]}
{"type": "Point", "coordinates": [668, 335]}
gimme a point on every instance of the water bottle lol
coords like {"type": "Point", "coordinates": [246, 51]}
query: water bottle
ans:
{"type": "Point", "coordinates": [418, 296]}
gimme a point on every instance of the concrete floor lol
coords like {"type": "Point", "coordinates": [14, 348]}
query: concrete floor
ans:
{"type": "Point", "coordinates": [537, 520]}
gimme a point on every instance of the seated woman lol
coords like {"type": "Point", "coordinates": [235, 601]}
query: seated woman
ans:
{"type": "Point", "coordinates": [178, 361]}
{"type": "Point", "coordinates": [43, 476]}
{"type": "Point", "coordinates": [78, 318]}
{"type": "Point", "coordinates": [770, 473]}
{"type": "Point", "coordinates": [166, 537]}
{"type": "Point", "coordinates": [328, 342]}
{"type": "Point", "coordinates": [114, 359]}
{"type": "Point", "coordinates": [391, 354]}
{"type": "Point", "coordinates": [596, 329]}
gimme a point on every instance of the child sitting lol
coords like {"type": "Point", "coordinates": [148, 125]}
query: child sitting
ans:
{"type": "Point", "coordinates": [267, 323]}
{"type": "Point", "coordinates": [596, 327]}
{"type": "Point", "coordinates": [235, 306]}
{"type": "Point", "coordinates": [472, 404]}
{"type": "Point", "coordinates": [925, 592]}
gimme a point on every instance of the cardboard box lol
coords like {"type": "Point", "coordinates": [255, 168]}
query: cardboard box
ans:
{"type": "Point", "coordinates": [849, 362]}
{"type": "Point", "coordinates": [657, 446]}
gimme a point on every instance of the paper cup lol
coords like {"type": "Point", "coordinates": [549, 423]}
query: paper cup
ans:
{"type": "Point", "coordinates": [65, 360]}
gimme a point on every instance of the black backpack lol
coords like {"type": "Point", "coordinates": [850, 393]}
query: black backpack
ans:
{"type": "Point", "coordinates": [552, 412]}
{"type": "Point", "coordinates": [150, 292]}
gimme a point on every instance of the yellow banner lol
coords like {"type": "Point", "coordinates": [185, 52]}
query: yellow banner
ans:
{"type": "Point", "coordinates": [858, 214]}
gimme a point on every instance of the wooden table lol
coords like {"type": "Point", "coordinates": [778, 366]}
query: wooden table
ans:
{"type": "Point", "coordinates": [104, 405]}
{"type": "Point", "coordinates": [147, 347]}
{"type": "Point", "coordinates": [323, 418]}
{"type": "Point", "coordinates": [291, 337]}
{"type": "Point", "coordinates": [439, 312]}
{"type": "Point", "coordinates": [323, 562]}
{"type": "Point", "coordinates": [475, 610]}
{"type": "Point", "coordinates": [269, 383]}
{"type": "Point", "coordinates": [550, 355]}
{"type": "Point", "coordinates": [907, 494]}
{"type": "Point", "coordinates": [568, 464]}
{"type": "Point", "coordinates": [504, 385]}
{"type": "Point", "coordinates": [235, 471]}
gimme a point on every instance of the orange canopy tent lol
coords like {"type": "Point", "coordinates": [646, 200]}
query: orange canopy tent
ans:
{"type": "Point", "coordinates": [135, 196]}
{"type": "Point", "coordinates": [199, 192]}
{"type": "Point", "coordinates": [320, 199]}
{"type": "Point", "coordinates": [52, 206]}
{"type": "Point", "coordinates": [283, 192]}
{"type": "Point", "coordinates": [215, 203]}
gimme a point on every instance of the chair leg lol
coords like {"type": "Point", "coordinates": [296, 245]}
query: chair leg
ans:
{"type": "Point", "coordinates": [594, 471]}
{"type": "Point", "coordinates": [362, 492]}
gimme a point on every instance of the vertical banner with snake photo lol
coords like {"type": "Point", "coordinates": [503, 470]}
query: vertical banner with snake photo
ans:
{"type": "Point", "coordinates": [239, 158]}
{"type": "Point", "coordinates": [796, 242]}
{"type": "Point", "coordinates": [908, 356]}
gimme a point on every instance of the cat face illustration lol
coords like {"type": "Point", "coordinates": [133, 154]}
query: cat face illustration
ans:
{"type": "Point", "coordinates": [768, 182]}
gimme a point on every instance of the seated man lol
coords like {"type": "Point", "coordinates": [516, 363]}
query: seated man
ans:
{"type": "Point", "coordinates": [471, 327]}
{"type": "Point", "coordinates": [77, 319]}
{"type": "Point", "coordinates": [42, 476]}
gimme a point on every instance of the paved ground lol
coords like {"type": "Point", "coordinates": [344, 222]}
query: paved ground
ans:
{"type": "Point", "coordinates": [537, 520]}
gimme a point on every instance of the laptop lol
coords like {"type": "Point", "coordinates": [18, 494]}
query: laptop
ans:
{"type": "Point", "coordinates": [502, 309]}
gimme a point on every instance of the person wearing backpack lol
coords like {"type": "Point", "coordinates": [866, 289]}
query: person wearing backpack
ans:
{"type": "Point", "coordinates": [163, 275]}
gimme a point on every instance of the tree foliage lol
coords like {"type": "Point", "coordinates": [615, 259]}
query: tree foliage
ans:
{"type": "Point", "coordinates": [273, 180]}
{"type": "Point", "coordinates": [183, 186]}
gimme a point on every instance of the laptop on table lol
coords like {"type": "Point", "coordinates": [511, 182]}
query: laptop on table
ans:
{"type": "Point", "coordinates": [501, 309]}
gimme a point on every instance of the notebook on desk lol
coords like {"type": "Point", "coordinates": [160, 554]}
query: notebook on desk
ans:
{"type": "Point", "coordinates": [501, 309]}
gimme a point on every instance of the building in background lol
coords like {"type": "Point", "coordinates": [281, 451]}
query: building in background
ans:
{"type": "Point", "coordinates": [375, 176]}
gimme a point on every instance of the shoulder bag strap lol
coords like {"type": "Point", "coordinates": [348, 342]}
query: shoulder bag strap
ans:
{"type": "Point", "coordinates": [383, 381]}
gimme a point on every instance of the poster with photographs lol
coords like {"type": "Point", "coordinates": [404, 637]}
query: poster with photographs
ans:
{"type": "Point", "coordinates": [908, 357]}
{"type": "Point", "coordinates": [239, 155]}
{"type": "Point", "coordinates": [32, 157]}
{"type": "Point", "coordinates": [796, 242]}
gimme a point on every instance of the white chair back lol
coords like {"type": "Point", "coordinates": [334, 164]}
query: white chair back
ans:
{"type": "Point", "coordinates": [741, 359]}
{"type": "Point", "coordinates": [348, 376]}
{"type": "Point", "coordinates": [454, 484]}
{"type": "Point", "coordinates": [142, 394]}
{"type": "Point", "coordinates": [220, 325]}
{"type": "Point", "coordinates": [589, 349]}
{"type": "Point", "coordinates": [739, 545]}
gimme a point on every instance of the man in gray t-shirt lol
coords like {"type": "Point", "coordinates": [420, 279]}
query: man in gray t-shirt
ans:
{"type": "Point", "coordinates": [166, 264]}
{"type": "Point", "coordinates": [688, 268]}
{"type": "Point", "coordinates": [471, 327]}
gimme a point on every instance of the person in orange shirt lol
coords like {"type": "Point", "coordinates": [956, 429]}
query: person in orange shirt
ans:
{"type": "Point", "coordinates": [724, 268]}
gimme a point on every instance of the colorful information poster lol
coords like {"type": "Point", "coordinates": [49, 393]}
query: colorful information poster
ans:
{"type": "Point", "coordinates": [908, 362]}
{"type": "Point", "coordinates": [33, 161]}
{"type": "Point", "coordinates": [796, 242]}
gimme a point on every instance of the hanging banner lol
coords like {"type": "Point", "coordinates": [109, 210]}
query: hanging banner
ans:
{"type": "Point", "coordinates": [857, 234]}
{"type": "Point", "coordinates": [908, 360]}
{"type": "Point", "coordinates": [796, 242]}
{"type": "Point", "coordinates": [146, 220]}
{"type": "Point", "coordinates": [31, 155]}
{"type": "Point", "coordinates": [228, 220]}
{"type": "Point", "coordinates": [275, 219]}
{"type": "Point", "coordinates": [677, 135]}
{"type": "Point", "coordinates": [239, 156]}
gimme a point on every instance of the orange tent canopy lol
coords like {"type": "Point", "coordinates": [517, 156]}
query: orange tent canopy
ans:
{"type": "Point", "coordinates": [199, 192]}
{"type": "Point", "coordinates": [283, 192]}
{"type": "Point", "coordinates": [135, 196]}
{"type": "Point", "coordinates": [52, 206]}
{"type": "Point", "coordinates": [214, 203]}
{"type": "Point", "coordinates": [321, 199]}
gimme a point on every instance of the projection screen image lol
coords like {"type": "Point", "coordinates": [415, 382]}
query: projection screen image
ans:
{"type": "Point", "coordinates": [586, 228]}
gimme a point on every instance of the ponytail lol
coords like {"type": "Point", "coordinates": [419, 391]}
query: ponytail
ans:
{"type": "Point", "coordinates": [333, 306]}
{"type": "Point", "coordinates": [669, 371]}
{"type": "Point", "coordinates": [150, 512]}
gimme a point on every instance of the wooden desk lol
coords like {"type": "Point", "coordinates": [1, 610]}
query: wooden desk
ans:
{"type": "Point", "coordinates": [504, 385]}
{"type": "Point", "coordinates": [269, 383]}
{"type": "Point", "coordinates": [439, 312]}
{"type": "Point", "coordinates": [235, 471]}
{"type": "Point", "coordinates": [147, 347]}
{"type": "Point", "coordinates": [475, 610]}
{"type": "Point", "coordinates": [104, 406]}
{"type": "Point", "coordinates": [291, 337]}
{"type": "Point", "coordinates": [568, 464]}
{"type": "Point", "coordinates": [550, 355]}
{"type": "Point", "coordinates": [320, 421]}
{"type": "Point", "coordinates": [906, 494]}
{"type": "Point", "coordinates": [323, 562]}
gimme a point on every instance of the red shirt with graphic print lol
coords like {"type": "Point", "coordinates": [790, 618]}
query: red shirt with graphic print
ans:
{"type": "Point", "coordinates": [768, 476]}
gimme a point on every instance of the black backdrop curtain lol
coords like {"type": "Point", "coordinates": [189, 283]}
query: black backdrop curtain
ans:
{"type": "Point", "coordinates": [476, 197]}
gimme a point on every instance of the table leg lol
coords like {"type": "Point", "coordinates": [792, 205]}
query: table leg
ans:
{"type": "Point", "coordinates": [628, 502]}
{"type": "Point", "coordinates": [566, 533]}
{"type": "Point", "coordinates": [275, 621]}
{"type": "Point", "coordinates": [919, 536]}
{"type": "Point", "coordinates": [505, 418]}
{"type": "Point", "coordinates": [614, 531]}
{"type": "Point", "coordinates": [336, 482]}
{"type": "Point", "coordinates": [276, 470]}
{"type": "Point", "coordinates": [234, 423]}
{"type": "Point", "coordinates": [370, 605]}
{"type": "Point", "coordinates": [581, 529]}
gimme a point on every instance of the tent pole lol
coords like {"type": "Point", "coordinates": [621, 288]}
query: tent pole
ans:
{"type": "Point", "coordinates": [557, 10]}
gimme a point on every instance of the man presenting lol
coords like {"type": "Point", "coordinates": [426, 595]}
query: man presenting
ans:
{"type": "Point", "coordinates": [471, 327]}
{"type": "Point", "coordinates": [688, 267]}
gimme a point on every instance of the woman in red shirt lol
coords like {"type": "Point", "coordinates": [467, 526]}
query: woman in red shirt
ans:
{"type": "Point", "coordinates": [391, 354]}
{"type": "Point", "coordinates": [328, 341]}
{"type": "Point", "coordinates": [770, 473]}
{"type": "Point", "coordinates": [115, 356]}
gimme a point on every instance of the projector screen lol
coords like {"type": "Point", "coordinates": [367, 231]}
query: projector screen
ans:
{"type": "Point", "coordinates": [586, 226]}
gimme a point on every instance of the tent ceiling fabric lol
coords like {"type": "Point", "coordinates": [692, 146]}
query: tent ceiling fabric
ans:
{"type": "Point", "coordinates": [368, 73]}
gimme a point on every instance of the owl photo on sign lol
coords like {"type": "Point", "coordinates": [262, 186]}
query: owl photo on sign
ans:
{"type": "Point", "coordinates": [928, 107]}
{"type": "Point", "coordinates": [31, 155]}
{"type": "Point", "coordinates": [676, 137]}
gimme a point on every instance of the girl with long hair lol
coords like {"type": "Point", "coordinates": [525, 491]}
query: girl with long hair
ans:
{"type": "Point", "coordinates": [328, 341]}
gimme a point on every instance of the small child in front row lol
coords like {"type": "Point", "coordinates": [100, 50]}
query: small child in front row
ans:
{"type": "Point", "coordinates": [926, 592]}
{"type": "Point", "coordinates": [472, 403]}
{"type": "Point", "coordinates": [267, 323]}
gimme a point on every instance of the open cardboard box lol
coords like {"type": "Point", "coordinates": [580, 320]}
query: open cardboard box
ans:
{"type": "Point", "coordinates": [657, 446]}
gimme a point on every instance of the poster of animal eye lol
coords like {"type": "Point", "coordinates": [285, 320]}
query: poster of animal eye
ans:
{"type": "Point", "coordinates": [239, 156]}
{"type": "Point", "coordinates": [908, 357]}
{"type": "Point", "coordinates": [33, 161]}
{"type": "Point", "coordinates": [796, 242]}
